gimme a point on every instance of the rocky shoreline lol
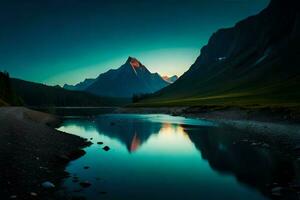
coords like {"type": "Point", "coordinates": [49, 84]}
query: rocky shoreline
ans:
{"type": "Point", "coordinates": [33, 155]}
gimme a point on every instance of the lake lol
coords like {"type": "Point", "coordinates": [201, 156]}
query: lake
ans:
{"type": "Point", "coordinates": [160, 156]}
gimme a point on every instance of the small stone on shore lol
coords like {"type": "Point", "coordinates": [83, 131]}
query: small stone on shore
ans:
{"type": "Point", "coordinates": [277, 191]}
{"type": "Point", "coordinates": [33, 194]}
{"type": "Point", "coordinates": [48, 185]}
{"type": "Point", "coordinates": [106, 148]}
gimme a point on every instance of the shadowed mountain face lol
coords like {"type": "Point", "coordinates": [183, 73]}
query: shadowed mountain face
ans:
{"type": "Point", "coordinates": [257, 58]}
{"type": "Point", "coordinates": [131, 78]}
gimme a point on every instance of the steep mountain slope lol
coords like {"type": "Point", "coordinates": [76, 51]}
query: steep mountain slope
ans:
{"type": "Point", "coordinates": [254, 62]}
{"type": "Point", "coordinates": [35, 94]}
{"type": "Point", "coordinates": [80, 86]}
{"type": "Point", "coordinates": [131, 78]}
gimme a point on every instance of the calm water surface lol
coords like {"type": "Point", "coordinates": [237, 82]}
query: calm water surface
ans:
{"type": "Point", "coordinates": [166, 157]}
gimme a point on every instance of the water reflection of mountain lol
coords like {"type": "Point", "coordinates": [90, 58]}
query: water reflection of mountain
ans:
{"type": "Point", "coordinates": [255, 166]}
{"type": "Point", "coordinates": [133, 133]}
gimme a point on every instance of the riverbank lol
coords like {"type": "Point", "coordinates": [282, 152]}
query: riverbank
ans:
{"type": "Point", "coordinates": [281, 126]}
{"type": "Point", "coordinates": [261, 114]}
{"type": "Point", "coordinates": [31, 153]}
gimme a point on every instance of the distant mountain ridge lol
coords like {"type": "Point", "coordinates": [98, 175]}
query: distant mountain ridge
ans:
{"type": "Point", "coordinates": [170, 79]}
{"type": "Point", "coordinates": [36, 94]}
{"type": "Point", "coordinates": [80, 86]}
{"type": "Point", "coordinates": [254, 62]}
{"type": "Point", "coordinates": [129, 79]}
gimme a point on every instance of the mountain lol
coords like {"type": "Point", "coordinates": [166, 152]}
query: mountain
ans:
{"type": "Point", "coordinates": [171, 79]}
{"type": "Point", "coordinates": [80, 86]}
{"type": "Point", "coordinates": [256, 62]}
{"type": "Point", "coordinates": [131, 78]}
{"type": "Point", "coordinates": [35, 94]}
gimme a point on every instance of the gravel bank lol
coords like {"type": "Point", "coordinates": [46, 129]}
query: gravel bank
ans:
{"type": "Point", "coordinates": [31, 152]}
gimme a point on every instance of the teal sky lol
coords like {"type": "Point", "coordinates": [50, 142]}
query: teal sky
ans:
{"type": "Point", "coordinates": [64, 41]}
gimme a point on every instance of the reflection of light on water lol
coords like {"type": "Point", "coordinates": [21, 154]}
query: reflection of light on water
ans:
{"type": "Point", "coordinates": [91, 132]}
{"type": "Point", "coordinates": [171, 129]}
{"type": "Point", "coordinates": [79, 130]}
{"type": "Point", "coordinates": [171, 138]}
{"type": "Point", "coordinates": [165, 160]}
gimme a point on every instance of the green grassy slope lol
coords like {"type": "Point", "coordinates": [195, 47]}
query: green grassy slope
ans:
{"type": "Point", "coordinates": [284, 93]}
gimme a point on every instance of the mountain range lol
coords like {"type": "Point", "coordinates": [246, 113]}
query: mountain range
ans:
{"type": "Point", "coordinates": [80, 86]}
{"type": "Point", "coordinates": [113, 88]}
{"type": "Point", "coordinates": [129, 79]}
{"type": "Point", "coordinates": [18, 92]}
{"type": "Point", "coordinates": [255, 62]}
{"type": "Point", "coordinates": [36, 94]}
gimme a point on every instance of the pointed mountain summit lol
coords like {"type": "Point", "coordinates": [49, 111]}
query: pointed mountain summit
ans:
{"type": "Point", "coordinates": [129, 79]}
{"type": "Point", "coordinates": [134, 62]}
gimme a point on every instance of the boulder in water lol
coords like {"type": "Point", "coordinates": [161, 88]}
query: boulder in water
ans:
{"type": "Point", "coordinates": [106, 148]}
